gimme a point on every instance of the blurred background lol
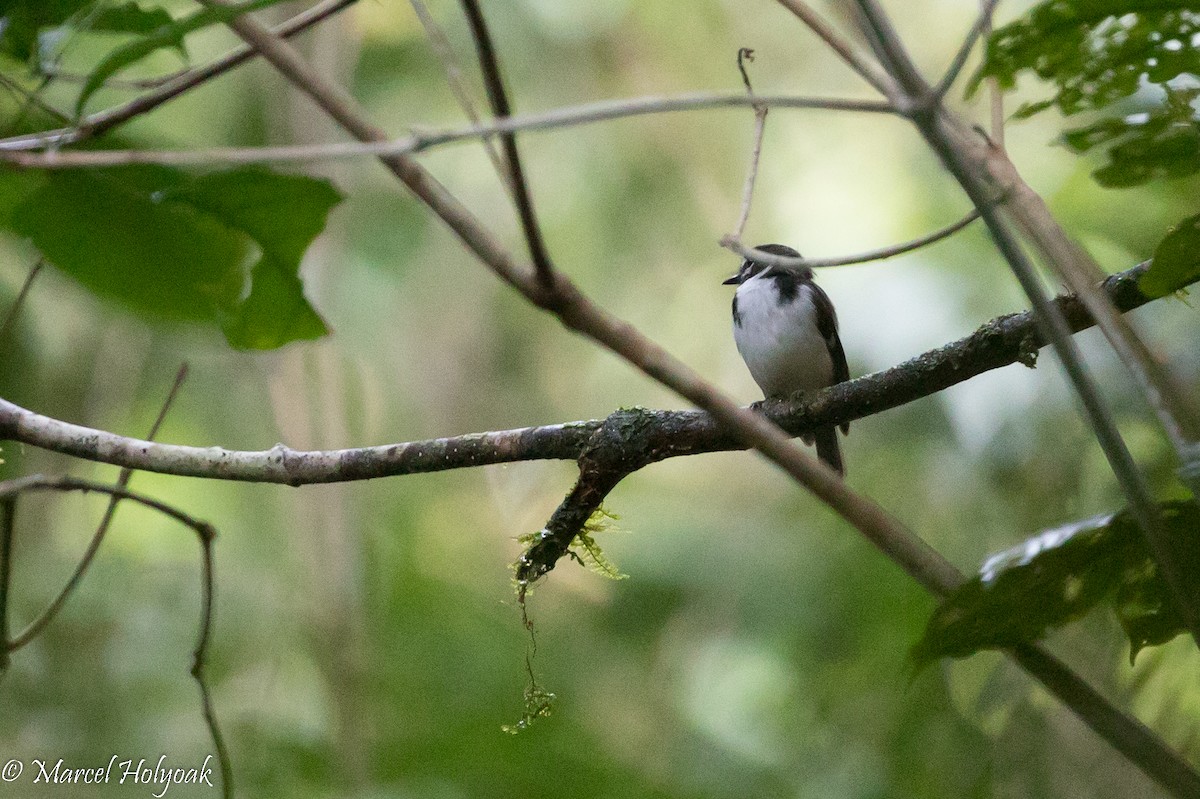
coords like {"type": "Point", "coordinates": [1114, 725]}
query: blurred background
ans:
{"type": "Point", "coordinates": [367, 642]}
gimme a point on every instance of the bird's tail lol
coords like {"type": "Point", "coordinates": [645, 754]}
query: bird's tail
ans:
{"type": "Point", "coordinates": [828, 449]}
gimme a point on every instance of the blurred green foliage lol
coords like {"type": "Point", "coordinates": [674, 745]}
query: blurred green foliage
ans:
{"type": "Point", "coordinates": [170, 245]}
{"type": "Point", "coordinates": [1058, 576]}
{"type": "Point", "coordinates": [367, 642]}
{"type": "Point", "coordinates": [1099, 52]}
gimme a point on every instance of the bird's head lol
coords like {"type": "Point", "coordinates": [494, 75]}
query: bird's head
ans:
{"type": "Point", "coordinates": [751, 267]}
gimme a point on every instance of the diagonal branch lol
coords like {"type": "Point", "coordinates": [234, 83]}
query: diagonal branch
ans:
{"type": "Point", "coordinates": [981, 27]}
{"type": "Point", "coordinates": [489, 64]}
{"type": "Point", "coordinates": [445, 53]}
{"type": "Point", "coordinates": [961, 153]}
{"type": "Point", "coordinates": [10, 316]}
{"type": "Point", "coordinates": [866, 69]}
{"type": "Point", "coordinates": [100, 122]}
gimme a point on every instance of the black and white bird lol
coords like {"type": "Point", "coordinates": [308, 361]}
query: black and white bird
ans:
{"type": "Point", "coordinates": [786, 330]}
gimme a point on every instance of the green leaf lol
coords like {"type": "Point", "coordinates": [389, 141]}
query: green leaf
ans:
{"type": "Point", "coordinates": [169, 35]}
{"type": "Point", "coordinates": [29, 26]}
{"type": "Point", "coordinates": [1176, 260]}
{"type": "Point", "coordinates": [223, 248]}
{"type": "Point", "coordinates": [163, 260]}
{"type": "Point", "coordinates": [1099, 52]}
{"type": "Point", "coordinates": [131, 18]}
{"type": "Point", "coordinates": [283, 214]}
{"type": "Point", "coordinates": [21, 21]}
{"type": "Point", "coordinates": [1163, 142]}
{"type": "Point", "coordinates": [1096, 51]}
{"type": "Point", "coordinates": [1059, 575]}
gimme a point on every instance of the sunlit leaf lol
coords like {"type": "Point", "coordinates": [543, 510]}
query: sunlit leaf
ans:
{"type": "Point", "coordinates": [169, 35]}
{"type": "Point", "coordinates": [1099, 52]}
{"type": "Point", "coordinates": [223, 248]}
{"type": "Point", "coordinates": [1176, 260]}
{"type": "Point", "coordinates": [1059, 575]}
{"type": "Point", "coordinates": [1096, 51]}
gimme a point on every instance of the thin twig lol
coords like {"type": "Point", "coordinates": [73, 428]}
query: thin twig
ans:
{"type": "Point", "coordinates": [10, 489]}
{"type": "Point", "coordinates": [982, 25]}
{"type": "Point", "coordinates": [422, 140]}
{"type": "Point", "coordinates": [489, 64]}
{"type": "Point", "coordinates": [14, 309]}
{"type": "Point", "coordinates": [760, 125]}
{"type": "Point", "coordinates": [867, 70]}
{"type": "Point", "coordinates": [100, 122]}
{"type": "Point", "coordinates": [859, 258]}
{"type": "Point", "coordinates": [993, 83]}
{"type": "Point", "coordinates": [200, 658]}
{"type": "Point", "coordinates": [28, 99]}
{"type": "Point", "coordinates": [445, 54]}
{"type": "Point", "coordinates": [135, 84]}
{"type": "Point", "coordinates": [35, 627]}
{"type": "Point", "coordinates": [8, 522]}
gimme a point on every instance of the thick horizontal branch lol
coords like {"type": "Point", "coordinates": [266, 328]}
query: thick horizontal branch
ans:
{"type": "Point", "coordinates": [33, 156]}
{"type": "Point", "coordinates": [650, 435]}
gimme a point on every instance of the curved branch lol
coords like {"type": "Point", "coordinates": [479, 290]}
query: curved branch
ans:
{"type": "Point", "coordinates": [734, 245]}
{"type": "Point", "coordinates": [981, 27]}
{"type": "Point", "coordinates": [10, 489]}
{"type": "Point", "coordinates": [35, 627]}
{"type": "Point", "coordinates": [1000, 342]}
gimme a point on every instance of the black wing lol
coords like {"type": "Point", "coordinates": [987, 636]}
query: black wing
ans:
{"type": "Point", "coordinates": [827, 324]}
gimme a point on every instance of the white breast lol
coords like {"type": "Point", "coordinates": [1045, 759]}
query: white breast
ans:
{"type": "Point", "coordinates": [781, 344]}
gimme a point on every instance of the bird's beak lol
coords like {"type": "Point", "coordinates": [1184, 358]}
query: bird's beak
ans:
{"type": "Point", "coordinates": [731, 281]}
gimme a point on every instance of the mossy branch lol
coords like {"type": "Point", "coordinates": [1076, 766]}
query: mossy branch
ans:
{"type": "Point", "coordinates": [1005, 340]}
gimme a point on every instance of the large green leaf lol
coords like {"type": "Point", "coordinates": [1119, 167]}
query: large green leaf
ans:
{"type": "Point", "coordinates": [1176, 261]}
{"type": "Point", "coordinates": [1099, 52]}
{"type": "Point", "coordinates": [109, 233]}
{"type": "Point", "coordinates": [1058, 576]}
{"type": "Point", "coordinates": [169, 35]}
{"type": "Point", "coordinates": [283, 214]}
{"type": "Point", "coordinates": [222, 248]}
